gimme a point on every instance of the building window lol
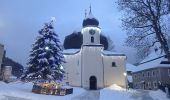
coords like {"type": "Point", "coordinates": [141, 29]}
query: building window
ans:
{"type": "Point", "coordinates": [168, 72]}
{"type": "Point", "coordinates": [92, 39]}
{"type": "Point", "coordinates": [149, 85]}
{"type": "Point", "coordinates": [113, 64]}
{"type": "Point", "coordinates": [143, 74]}
{"type": "Point", "coordinates": [155, 84]}
{"type": "Point", "coordinates": [136, 76]}
{"type": "Point", "coordinates": [148, 74]}
{"type": "Point", "coordinates": [153, 73]}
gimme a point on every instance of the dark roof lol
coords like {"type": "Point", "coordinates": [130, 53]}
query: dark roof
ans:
{"type": "Point", "coordinates": [90, 22]}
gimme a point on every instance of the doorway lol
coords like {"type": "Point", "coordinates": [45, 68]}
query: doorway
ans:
{"type": "Point", "coordinates": [93, 83]}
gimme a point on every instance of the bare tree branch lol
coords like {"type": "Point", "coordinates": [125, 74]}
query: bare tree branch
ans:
{"type": "Point", "coordinates": [143, 20]}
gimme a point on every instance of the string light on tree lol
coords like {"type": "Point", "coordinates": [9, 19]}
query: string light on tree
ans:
{"type": "Point", "coordinates": [46, 48]}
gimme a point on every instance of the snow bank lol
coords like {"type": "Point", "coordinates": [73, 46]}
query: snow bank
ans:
{"type": "Point", "coordinates": [115, 87]}
{"type": "Point", "coordinates": [21, 90]}
{"type": "Point", "coordinates": [158, 95]}
{"type": "Point", "coordinates": [115, 92]}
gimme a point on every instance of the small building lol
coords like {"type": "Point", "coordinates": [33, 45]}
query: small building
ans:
{"type": "Point", "coordinates": [152, 73]}
{"type": "Point", "coordinates": [92, 67]}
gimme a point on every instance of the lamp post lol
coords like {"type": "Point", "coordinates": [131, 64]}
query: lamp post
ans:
{"type": "Point", "coordinates": [125, 74]}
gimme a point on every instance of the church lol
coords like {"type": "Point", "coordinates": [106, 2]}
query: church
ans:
{"type": "Point", "coordinates": [91, 67]}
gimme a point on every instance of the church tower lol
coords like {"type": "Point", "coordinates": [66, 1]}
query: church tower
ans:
{"type": "Point", "coordinates": [91, 31]}
{"type": "Point", "coordinates": [92, 64]}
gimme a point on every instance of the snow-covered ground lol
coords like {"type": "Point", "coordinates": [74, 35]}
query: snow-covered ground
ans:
{"type": "Point", "coordinates": [23, 90]}
{"type": "Point", "coordinates": [117, 93]}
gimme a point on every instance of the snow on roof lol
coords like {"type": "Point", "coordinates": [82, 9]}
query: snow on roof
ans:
{"type": "Point", "coordinates": [130, 67]}
{"type": "Point", "coordinates": [153, 63]}
{"type": "Point", "coordinates": [152, 56]}
{"type": "Point", "coordinates": [105, 52]}
{"type": "Point", "coordinates": [70, 51]}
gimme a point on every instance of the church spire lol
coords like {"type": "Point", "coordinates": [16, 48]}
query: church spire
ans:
{"type": "Point", "coordinates": [90, 12]}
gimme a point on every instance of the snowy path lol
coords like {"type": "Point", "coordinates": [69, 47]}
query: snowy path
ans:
{"type": "Point", "coordinates": [12, 98]}
{"type": "Point", "coordinates": [143, 94]}
{"type": "Point", "coordinates": [88, 95]}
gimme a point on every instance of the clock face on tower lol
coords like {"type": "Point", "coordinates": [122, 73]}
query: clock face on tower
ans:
{"type": "Point", "coordinates": [92, 31]}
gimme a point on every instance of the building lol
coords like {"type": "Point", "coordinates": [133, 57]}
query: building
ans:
{"type": "Point", "coordinates": [1, 58]}
{"type": "Point", "coordinates": [152, 73]}
{"type": "Point", "coordinates": [91, 67]}
{"type": "Point", "coordinates": [5, 71]}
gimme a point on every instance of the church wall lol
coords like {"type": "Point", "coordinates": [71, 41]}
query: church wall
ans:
{"type": "Point", "coordinates": [114, 74]}
{"type": "Point", "coordinates": [92, 66]}
{"type": "Point", "coordinates": [73, 69]}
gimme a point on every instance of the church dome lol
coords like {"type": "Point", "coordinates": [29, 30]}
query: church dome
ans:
{"type": "Point", "coordinates": [90, 20]}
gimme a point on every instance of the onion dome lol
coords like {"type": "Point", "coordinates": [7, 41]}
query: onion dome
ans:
{"type": "Point", "coordinates": [90, 20]}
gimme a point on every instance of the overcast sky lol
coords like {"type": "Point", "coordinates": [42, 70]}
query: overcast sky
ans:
{"type": "Point", "coordinates": [20, 21]}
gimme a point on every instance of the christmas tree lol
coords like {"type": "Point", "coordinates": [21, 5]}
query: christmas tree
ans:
{"type": "Point", "coordinates": [46, 57]}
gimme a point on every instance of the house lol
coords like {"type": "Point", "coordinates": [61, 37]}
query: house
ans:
{"type": "Point", "coordinates": [92, 67]}
{"type": "Point", "coordinates": [152, 73]}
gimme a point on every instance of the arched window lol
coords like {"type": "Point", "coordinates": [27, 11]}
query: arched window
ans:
{"type": "Point", "coordinates": [92, 39]}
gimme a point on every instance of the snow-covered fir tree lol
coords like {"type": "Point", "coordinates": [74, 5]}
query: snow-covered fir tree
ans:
{"type": "Point", "coordinates": [46, 57]}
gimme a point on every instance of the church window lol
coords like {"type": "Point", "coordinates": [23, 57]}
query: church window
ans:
{"type": "Point", "coordinates": [92, 39]}
{"type": "Point", "coordinates": [113, 64]}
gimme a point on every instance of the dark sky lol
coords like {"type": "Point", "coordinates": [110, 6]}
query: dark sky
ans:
{"type": "Point", "coordinates": [20, 21]}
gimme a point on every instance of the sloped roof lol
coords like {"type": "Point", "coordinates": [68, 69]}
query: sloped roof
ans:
{"type": "Point", "coordinates": [152, 61]}
{"type": "Point", "coordinates": [130, 67]}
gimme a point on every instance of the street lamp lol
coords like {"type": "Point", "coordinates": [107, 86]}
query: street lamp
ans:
{"type": "Point", "coordinates": [125, 74]}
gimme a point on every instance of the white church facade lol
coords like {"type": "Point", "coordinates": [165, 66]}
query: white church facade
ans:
{"type": "Point", "coordinates": [92, 67]}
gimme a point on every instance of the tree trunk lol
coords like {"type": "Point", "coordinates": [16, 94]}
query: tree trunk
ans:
{"type": "Point", "coordinates": [161, 39]}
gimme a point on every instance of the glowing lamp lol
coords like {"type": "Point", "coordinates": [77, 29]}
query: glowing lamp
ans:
{"type": "Point", "coordinates": [125, 74]}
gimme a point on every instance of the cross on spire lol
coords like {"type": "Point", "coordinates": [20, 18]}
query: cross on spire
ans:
{"type": "Point", "coordinates": [85, 13]}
